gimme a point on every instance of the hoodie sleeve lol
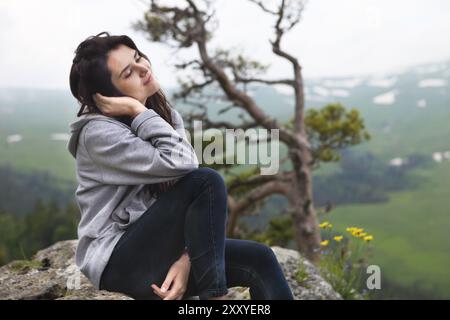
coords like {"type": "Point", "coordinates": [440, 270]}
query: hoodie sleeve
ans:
{"type": "Point", "coordinates": [151, 152]}
{"type": "Point", "coordinates": [178, 123]}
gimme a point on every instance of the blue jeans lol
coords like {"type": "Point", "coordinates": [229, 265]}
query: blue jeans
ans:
{"type": "Point", "coordinates": [192, 214]}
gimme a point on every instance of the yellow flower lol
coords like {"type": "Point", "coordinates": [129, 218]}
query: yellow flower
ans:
{"type": "Point", "coordinates": [356, 232]}
{"type": "Point", "coordinates": [338, 238]}
{"type": "Point", "coordinates": [324, 243]}
{"type": "Point", "coordinates": [324, 224]}
{"type": "Point", "coordinates": [363, 234]}
{"type": "Point", "coordinates": [330, 226]}
{"type": "Point", "coordinates": [368, 238]}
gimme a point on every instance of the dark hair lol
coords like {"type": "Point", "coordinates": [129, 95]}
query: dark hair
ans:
{"type": "Point", "coordinates": [90, 74]}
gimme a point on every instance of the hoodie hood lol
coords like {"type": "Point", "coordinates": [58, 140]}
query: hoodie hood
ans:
{"type": "Point", "coordinates": [75, 129]}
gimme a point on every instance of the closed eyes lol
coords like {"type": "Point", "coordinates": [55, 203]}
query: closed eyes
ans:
{"type": "Point", "coordinates": [131, 71]}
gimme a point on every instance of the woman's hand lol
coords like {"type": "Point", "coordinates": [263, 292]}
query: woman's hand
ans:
{"type": "Point", "coordinates": [179, 275]}
{"type": "Point", "coordinates": [118, 106]}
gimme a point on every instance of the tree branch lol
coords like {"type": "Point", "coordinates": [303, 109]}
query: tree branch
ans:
{"type": "Point", "coordinates": [259, 193]}
{"type": "Point", "coordinates": [288, 82]}
{"type": "Point", "coordinates": [259, 179]}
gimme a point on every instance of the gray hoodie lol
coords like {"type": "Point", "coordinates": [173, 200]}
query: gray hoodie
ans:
{"type": "Point", "coordinates": [114, 162]}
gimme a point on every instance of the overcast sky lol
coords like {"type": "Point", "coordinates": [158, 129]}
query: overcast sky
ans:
{"type": "Point", "coordinates": [334, 38]}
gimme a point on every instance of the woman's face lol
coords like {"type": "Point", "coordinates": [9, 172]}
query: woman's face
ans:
{"type": "Point", "coordinates": [131, 73]}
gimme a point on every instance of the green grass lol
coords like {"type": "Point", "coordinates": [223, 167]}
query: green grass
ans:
{"type": "Point", "coordinates": [411, 231]}
{"type": "Point", "coordinates": [37, 152]}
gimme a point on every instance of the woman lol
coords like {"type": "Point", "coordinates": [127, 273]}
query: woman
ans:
{"type": "Point", "coordinates": [152, 222]}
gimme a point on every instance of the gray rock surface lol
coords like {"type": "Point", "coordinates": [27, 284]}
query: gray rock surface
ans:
{"type": "Point", "coordinates": [52, 274]}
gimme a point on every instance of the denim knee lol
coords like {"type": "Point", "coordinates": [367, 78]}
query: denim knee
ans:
{"type": "Point", "coordinates": [263, 253]}
{"type": "Point", "coordinates": [209, 175]}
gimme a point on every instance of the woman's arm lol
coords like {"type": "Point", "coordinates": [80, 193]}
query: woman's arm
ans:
{"type": "Point", "coordinates": [178, 123]}
{"type": "Point", "coordinates": [152, 152]}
